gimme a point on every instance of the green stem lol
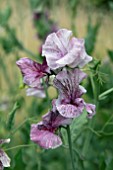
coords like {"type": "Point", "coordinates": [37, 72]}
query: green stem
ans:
{"type": "Point", "coordinates": [70, 146]}
{"type": "Point", "coordinates": [19, 146]}
{"type": "Point", "coordinates": [105, 93]}
{"type": "Point", "coordinates": [6, 76]}
{"type": "Point", "coordinates": [46, 92]}
{"type": "Point", "coordinates": [92, 122]}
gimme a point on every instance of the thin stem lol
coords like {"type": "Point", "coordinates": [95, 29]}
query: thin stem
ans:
{"type": "Point", "coordinates": [107, 123]}
{"type": "Point", "coordinates": [92, 122]}
{"type": "Point", "coordinates": [105, 93]}
{"type": "Point", "coordinates": [70, 146]}
{"type": "Point", "coordinates": [46, 92]}
{"type": "Point", "coordinates": [19, 146]}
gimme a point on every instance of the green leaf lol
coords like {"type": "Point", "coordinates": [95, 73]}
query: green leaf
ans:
{"type": "Point", "coordinates": [110, 54]}
{"type": "Point", "coordinates": [4, 16]}
{"type": "Point", "coordinates": [90, 39]}
{"type": "Point", "coordinates": [11, 115]}
{"type": "Point", "coordinates": [78, 124]}
{"type": "Point", "coordinates": [110, 165]}
{"type": "Point", "coordinates": [104, 94]}
{"type": "Point", "coordinates": [19, 164]}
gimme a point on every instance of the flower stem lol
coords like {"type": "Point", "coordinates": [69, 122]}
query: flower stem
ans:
{"type": "Point", "coordinates": [19, 146]}
{"type": "Point", "coordinates": [70, 146]}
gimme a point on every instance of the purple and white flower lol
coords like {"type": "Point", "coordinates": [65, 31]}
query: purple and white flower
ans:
{"type": "Point", "coordinates": [69, 103]}
{"type": "Point", "coordinates": [32, 73]}
{"type": "Point", "coordinates": [44, 133]}
{"type": "Point", "coordinates": [4, 159]}
{"type": "Point", "coordinates": [61, 50]}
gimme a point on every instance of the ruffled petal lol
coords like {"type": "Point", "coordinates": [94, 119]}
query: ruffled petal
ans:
{"type": "Point", "coordinates": [54, 120]}
{"type": "Point", "coordinates": [44, 138]}
{"type": "Point", "coordinates": [32, 71]}
{"type": "Point", "coordinates": [60, 50]}
{"type": "Point", "coordinates": [90, 108]}
{"type": "Point", "coordinates": [69, 110]}
{"type": "Point", "coordinates": [35, 92]}
{"type": "Point", "coordinates": [5, 160]}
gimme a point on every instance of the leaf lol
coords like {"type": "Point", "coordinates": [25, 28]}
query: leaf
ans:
{"type": "Point", "coordinates": [104, 94]}
{"type": "Point", "coordinates": [19, 164]}
{"type": "Point", "coordinates": [78, 124]}
{"type": "Point", "coordinates": [90, 39]}
{"type": "Point", "coordinates": [11, 115]}
{"type": "Point", "coordinates": [4, 16]}
{"type": "Point", "coordinates": [110, 54]}
{"type": "Point", "coordinates": [110, 165]}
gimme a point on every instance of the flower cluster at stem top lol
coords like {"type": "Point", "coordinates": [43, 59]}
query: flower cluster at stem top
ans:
{"type": "Point", "coordinates": [63, 58]}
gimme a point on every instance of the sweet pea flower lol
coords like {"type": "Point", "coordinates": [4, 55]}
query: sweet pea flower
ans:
{"type": "Point", "coordinates": [32, 73]}
{"type": "Point", "coordinates": [4, 159]}
{"type": "Point", "coordinates": [44, 133]}
{"type": "Point", "coordinates": [61, 50]}
{"type": "Point", "coordinates": [69, 103]}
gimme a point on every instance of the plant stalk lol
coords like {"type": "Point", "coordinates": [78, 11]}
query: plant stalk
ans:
{"type": "Point", "coordinates": [70, 146]}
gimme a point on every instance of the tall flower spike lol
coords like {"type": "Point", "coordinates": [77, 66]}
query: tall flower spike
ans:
{"type": "Point", "coordinates": [61, 50]}
{"type": "Point", "coordinates": [69, 103]}
{"type": "Point", "coordinates": [32, 73]}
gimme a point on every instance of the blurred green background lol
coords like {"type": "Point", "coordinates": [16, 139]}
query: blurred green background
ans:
{"type": "Point", "coordinates": [21, 35]}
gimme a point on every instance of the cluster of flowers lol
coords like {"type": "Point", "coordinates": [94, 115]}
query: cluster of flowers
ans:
{"type": "Point", "coordinates": [64, 56]}
{"type": "Point", "coordinates": [4, 159]}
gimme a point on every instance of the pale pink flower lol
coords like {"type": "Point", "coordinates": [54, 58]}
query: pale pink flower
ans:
{"type": "Point", "coordinates": [44, 133]}
{"type": "Point", "coordinates": [61, 50]}
{"type": "Point", "coordinates": [69, 103]}
{"type": "Point", "coordinates": [4, 159]}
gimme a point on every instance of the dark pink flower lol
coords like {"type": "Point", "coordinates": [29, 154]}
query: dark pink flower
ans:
{"type": "Point", "coordinates": [4, 159]}
{"type": "Point", "coordinates": [69, 103]}
{"type": "Point", "coordinates": [32, 73]}
{"type": "Point", "coordinates": [44, 133]}
{"type": "Point", "coordinates": [61, 50]}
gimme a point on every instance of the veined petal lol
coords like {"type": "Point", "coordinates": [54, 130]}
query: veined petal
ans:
{"type": "Point", "coordinates": [32, 71]}
{"type": "Point", "coordinates": [64, 36]}
{"type": "Point", "coordinates": [5, 160]}
{"type": "Point", "coordinates": [90, 108]}
{"type": "Point", "coordinates": [69, 110]}
{"type": "Point", "coordinates": [35, 92]}
{"type": "Point", "coordinates": [54, 119]}
{"type": "Point", "coordinates": [86, 60]}
{"type": "Point", "coordinates": [61, 50]}
{"type": "Point", "coordinates": [44, 138]}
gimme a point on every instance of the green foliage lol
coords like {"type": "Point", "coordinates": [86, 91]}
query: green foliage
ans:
{"type": "Point", "coordinates": [78, 124]}
{"type": "Point", "coordinates": [91, 37]}
{"type": "Point", "coordinates": [4, 16]}
{"type": "Point", "coordinates": [19, 164]}
{"type": "Point", "coordinates": [110, 54]}
{"type": "Point", "coordinates": [11, 116]}
{"type": "Point", "coordinates": [105, 4]}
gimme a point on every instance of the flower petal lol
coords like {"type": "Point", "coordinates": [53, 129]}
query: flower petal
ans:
{"type": "Point", "coordinates": [35, 92]}
{"type": "Point", "coordinates": [69, 110]}
{"type": "Point", "coordinates": [60, 50]}
{"type": "Point", "coordinates": [54, 119]}
{"type": "Point", "coordinates": [32, 71]}
{"type": "Point", "coordinates": [90, 108]}
{"type": "Point", "coordinates": [5, 160]}
{"type": "Point", "coordinates": [44, 138]}
{"type": "Point", "coordinates": [2, 141]}
{"type": "Point", "coordinates": [67, 82]}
